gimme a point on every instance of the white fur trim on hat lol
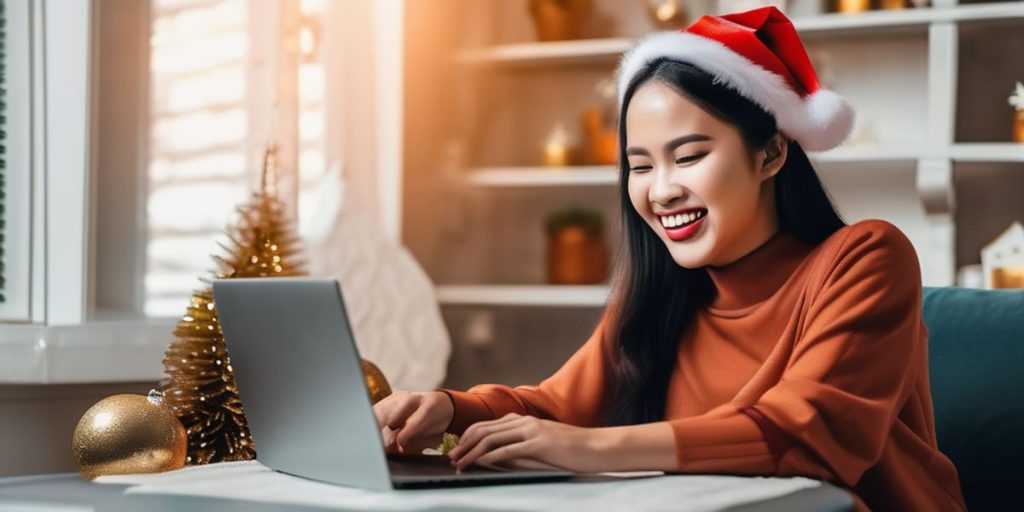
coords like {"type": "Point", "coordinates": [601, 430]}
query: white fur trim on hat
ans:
{"type": "Point", "coordinates": [822, 121]}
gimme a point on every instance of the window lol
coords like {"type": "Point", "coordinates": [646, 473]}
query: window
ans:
{"type": "Point", "coordinates": [15, 171]}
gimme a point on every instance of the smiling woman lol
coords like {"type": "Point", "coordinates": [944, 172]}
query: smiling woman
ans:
{"type": "Point", "coordinates": [750, 331]}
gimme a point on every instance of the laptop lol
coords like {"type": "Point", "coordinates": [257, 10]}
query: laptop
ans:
{"type": "Point", "coordinates": [301, 383]}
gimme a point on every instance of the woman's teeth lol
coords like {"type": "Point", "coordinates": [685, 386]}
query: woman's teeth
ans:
{"type": "Point", "coordinates": [680, 219]}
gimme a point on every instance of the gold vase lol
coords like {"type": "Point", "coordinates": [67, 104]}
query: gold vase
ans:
{"type": "Point", "coordinates": [600, 138]}
{"type": "Point", "coordinates": [559, 20]}
{"type": "Point", "coordinates": [576, 256]}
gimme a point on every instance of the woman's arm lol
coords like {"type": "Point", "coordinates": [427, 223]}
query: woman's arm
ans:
{"type": "Point", "coordinates": [650, 446]}
{"type": "Point", "coordinates": [574, 394]}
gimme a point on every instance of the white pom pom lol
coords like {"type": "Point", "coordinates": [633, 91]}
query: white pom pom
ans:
{"type": "Point", "coordinates": [828, 121]}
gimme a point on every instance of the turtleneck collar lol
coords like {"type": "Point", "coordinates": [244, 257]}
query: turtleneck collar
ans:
{"type": "Point", "coordinates": [753, 278]}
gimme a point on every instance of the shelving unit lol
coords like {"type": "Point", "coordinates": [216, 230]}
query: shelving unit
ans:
{"type": "Point", "coordinates": [930, 152]}
{"type": "Point", "coordinates": [822, 25]}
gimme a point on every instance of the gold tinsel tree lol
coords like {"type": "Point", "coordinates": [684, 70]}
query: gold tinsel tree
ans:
{"type": "Point", "coordinates": [200, 383]}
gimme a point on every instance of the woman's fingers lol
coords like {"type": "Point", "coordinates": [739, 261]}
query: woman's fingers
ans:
{"type": "Point", "coordinates": [515, 456]}
{"type": "Point", "coordinates": [388, 436]}
{"type": "Point", "coordinates": [478, 430]}
{"type": "Point", "coordinates": [401, 413]}
{"type": "Point", "coordinates": [413, 428]}
{"type": "Point", "coordinates": [492, 441]}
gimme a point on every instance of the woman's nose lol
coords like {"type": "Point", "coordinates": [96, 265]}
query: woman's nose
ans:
{"type": "Point", "coordinates": [663, 189]}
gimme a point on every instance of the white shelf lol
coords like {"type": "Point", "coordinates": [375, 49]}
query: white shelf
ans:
{"type": "Point", "coordinates": [523, 295]}
{"type": "Point", "coordinates": [867, 154]}
{"type": "Point", "coordinates": [596, 50]}
{"type": "Point", "coordinates": [884, 19]}
{"type": "Point", "coordinates": [1008, 152]}
{"type": "Point", "coordinates": [581, 50]}
{"type": "Point", "coordinates": [603, 175]}
{"type": "Point", "coordinates": [543, 176]}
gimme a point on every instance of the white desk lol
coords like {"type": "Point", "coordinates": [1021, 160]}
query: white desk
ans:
{"type": "Point", "coordinates": [68, 492]}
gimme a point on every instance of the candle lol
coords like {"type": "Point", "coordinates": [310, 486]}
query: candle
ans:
{"type": "Point", "coordinates": [854, 5]}
{"type": "Point", "coordinates": [557, 152]}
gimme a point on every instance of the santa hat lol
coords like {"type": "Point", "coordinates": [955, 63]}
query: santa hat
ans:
{"type": "Point", "coordinates": [759, 54]}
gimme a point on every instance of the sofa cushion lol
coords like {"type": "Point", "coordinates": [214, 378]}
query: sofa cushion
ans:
{"type": "Point", "coordinates": [976, 366]}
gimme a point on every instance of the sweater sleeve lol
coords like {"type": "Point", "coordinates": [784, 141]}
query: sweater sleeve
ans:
{"type": "Point", "coordinates": [847, 377]}
{"type": "Point", "coordinates": [574, 394]}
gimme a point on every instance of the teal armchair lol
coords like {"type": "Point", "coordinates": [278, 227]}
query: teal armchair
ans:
{"type": "Point", "coordinates": [976, 365]}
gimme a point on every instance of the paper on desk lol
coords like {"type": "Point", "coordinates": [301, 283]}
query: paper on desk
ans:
{"type": "Point", "coordinates": [250, 480]}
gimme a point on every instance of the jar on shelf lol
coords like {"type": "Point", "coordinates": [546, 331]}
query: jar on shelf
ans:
{"type": "Point", "coordinates": [559, 20]}
{"type": "Point", "coordinates": [577, 253]}
{"type": "Point", "coordinates": [850, 6]}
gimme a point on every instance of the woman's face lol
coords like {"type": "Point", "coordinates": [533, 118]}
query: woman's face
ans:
{"type": "Point", "coordinates": [694, 181]}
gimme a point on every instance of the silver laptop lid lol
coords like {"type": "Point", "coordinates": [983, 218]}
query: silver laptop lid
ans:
{"type": "Point", "coordinates": [300, 379]}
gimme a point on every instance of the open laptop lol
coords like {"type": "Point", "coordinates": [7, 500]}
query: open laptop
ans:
{"type": "Point", "coordinates": [302, 386]}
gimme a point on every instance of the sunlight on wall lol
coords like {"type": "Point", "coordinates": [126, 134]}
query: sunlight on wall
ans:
{"type": "Point", "coordinates": [199, 134]}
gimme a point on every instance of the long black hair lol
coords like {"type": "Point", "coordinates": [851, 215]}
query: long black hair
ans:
{"type": "Point", "coordinates": [654, 298]}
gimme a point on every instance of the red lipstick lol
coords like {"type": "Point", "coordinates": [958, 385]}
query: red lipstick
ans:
{"type": "Point", "coordinates": [679, 233]}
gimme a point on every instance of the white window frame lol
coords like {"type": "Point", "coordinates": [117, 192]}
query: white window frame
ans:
{"type": "Point", "coordinates": [19, 173]}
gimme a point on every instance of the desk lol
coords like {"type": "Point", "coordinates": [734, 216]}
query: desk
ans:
{"type": "Point", "coordinates": [68, 492]}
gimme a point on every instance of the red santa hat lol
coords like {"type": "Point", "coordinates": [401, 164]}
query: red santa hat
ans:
{"type": "Point", "coordinates": [758, 54]}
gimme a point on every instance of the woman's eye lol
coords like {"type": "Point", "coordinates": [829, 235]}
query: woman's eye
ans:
{"type": "Point", "coordinates": [691, 158]}
{"type": "Point", "coordinates": [641, 168]}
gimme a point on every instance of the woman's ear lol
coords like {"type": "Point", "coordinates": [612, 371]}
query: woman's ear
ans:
{"type": "Point", "coordinates": [774, 155]}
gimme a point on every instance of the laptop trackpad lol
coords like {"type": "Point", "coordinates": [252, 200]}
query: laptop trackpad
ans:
{"type": "Point", "coordinates": [424, 471]}
{"type": "Point", "coordinates": [430, 465]}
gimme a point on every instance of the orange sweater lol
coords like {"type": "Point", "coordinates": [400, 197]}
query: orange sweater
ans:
{"type": "Point", "coordinates": [811, 360]}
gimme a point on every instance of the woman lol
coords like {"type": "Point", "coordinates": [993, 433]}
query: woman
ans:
{"type": "Point", "coordinates": [750, 331]}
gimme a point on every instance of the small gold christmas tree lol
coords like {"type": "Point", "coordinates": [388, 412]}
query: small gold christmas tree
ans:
{"type": "Point", "coordinates": [200, 383]}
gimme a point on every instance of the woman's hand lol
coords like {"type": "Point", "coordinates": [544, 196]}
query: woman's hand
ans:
{"type": "Point", "coordinates": [413, 421]}
{"type": "Point", "coordinates": [515, 441]}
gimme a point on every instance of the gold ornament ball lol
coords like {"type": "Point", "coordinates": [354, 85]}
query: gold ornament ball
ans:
{"type": "Point", "coordinates": [124, 434]}
{"type": "Point", "coordinates": [375, 382]}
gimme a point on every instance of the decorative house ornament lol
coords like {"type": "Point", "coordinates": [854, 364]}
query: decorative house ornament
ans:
{"type": "Point", "coordinates": [1002, 260]}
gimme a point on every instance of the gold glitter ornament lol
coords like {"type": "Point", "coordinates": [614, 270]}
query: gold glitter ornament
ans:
{"type": "Point", "coordinates": [124, 434]}
{"type": "Point", "coordinates": [376, 383]}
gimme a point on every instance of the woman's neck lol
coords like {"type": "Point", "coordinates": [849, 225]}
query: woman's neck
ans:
{"type": "Point", "coordinates": [758, 274]}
